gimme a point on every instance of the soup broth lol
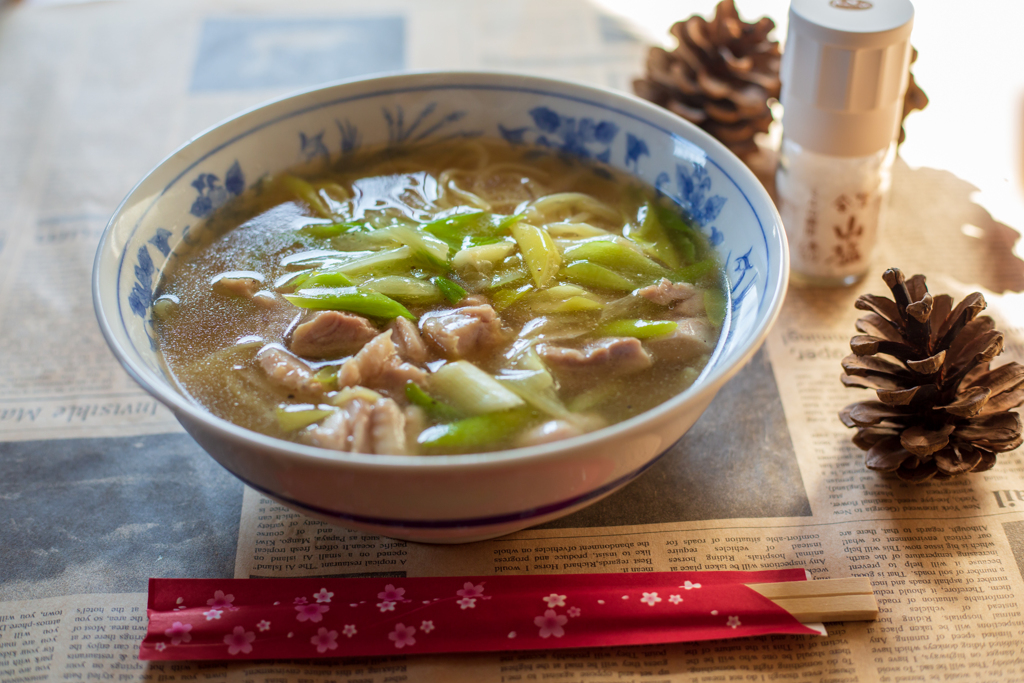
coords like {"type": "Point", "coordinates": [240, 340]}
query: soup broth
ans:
{"type": "Point", "coordinates": [463, 298]}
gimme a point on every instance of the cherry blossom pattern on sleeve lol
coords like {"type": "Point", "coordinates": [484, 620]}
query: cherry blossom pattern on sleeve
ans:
{"type": "Point", "coordinates": [389, 597]}
{"type": "Point", "coordinates": [312, 611]}
{"type": "Point", "coordinates": [325, 640]}
{"type": "Point", "coordinates": [469, 594]}
{"type": "Point", "coordinates": [555, 600]}
{"type": "Point", "coordinates": [470, 590]}
{"type": "Point", "coordinates": [551, 624]}
{"type": "Point", "coordinates": [239, 640]}
{"type": "Point", "coordinates": [651, 599]}
{"type": "Point", "coordinates": [392, 594]}
{"type": "Point", "coordinates": [179, 633]}
{"type": "Point", "coordinates": [402, 635]}
{"type": "Point", "coordinates": [222, 602]}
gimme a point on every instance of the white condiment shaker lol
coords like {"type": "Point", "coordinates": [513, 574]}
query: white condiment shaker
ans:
{"type": "Point", "coordinates": [844, 74]}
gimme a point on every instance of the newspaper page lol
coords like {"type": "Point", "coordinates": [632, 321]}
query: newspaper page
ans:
{"type": "Point", "coordinates": [102, 490]}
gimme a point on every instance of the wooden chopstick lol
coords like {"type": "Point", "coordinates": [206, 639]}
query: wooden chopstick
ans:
{"type": "Point", "coordinates": [849, 599]}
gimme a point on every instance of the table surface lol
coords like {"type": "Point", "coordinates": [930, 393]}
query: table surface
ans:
{"type": "Point", "coordinates": [84, 517]}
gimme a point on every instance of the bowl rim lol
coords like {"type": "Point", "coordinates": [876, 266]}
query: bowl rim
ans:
{"type": "Point", "coordinates": [706, 385]}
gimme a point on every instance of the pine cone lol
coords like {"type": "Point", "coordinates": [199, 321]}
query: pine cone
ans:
{"type": "Point", "coordinates": [913, 99]}
{"type": "Point", "coordinates": [719, 77]}
{"type": "Point", "coordinates": [942, 410]}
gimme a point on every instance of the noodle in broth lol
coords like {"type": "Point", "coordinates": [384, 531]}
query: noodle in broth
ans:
{"type": "Point", "coordinates": [445, 299]}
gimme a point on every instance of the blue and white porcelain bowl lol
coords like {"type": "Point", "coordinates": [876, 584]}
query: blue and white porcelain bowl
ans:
{"type": "Point", "coordinates": [454, 498]}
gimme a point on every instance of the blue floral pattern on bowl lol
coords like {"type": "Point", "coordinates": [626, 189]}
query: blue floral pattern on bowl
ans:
{"type": "Point", "coordinates": [432, 127]}
{"type": "Point", "coordinates": [213, 193]}
{"type": "Point", "coordinates": [583, 138]}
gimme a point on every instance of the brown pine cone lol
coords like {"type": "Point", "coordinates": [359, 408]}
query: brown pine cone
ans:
{"type": "Point", "coordinates": [719, 77]}
{"type": "Point", "coordinates": [942, 410]}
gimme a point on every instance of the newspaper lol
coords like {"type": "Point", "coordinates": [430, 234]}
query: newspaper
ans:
{"type": "Point", "coordinates": [101, 489]}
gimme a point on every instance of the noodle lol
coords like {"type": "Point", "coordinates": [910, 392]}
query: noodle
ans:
{"type": "Point", "coordinates": [464, 195]}
{"type": "Point", "coordinates": [459, 298]}
{"type": "Point", "coordinates": [586, 207]}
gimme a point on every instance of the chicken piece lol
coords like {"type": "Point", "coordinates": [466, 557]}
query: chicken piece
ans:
{"type": "Point", "coordinates": [248, 287]}
{"type": "Point", "coordinates": [360, 426]}
{"type": "Point", "coordinates": [272, 302]}
{"type": "Point", "coordinates": [415, 422]}
{"type": "Point", "coordinates": [408, 341]}
{"type": "Point", "coordinates": [331, 334]}
{"type": "Point", "coordinates": [277, 315]}
{"type": "Point", "coordinates": [378, 366]}
{"type": "Point", "coordinates": [576, 424]}
{"type": "Point", "coordinates": [475, 300]}
{"type": "Point", "coordinates": [606, 357]}
{"type": "Point", "coordinates": [289, 372]}
{"type": "Point", "coordinates": [387, 428]}
{"type": "Point", "coordinates": [244, 287]}
{"type": "Point", "coordinates": [548, 432]}
{"type": "Point", "coordinates": [693, 338]}
{"type": "Point", "coordinates": [682, 297]}
{"type": "Point", "coordinates": [463, 332]}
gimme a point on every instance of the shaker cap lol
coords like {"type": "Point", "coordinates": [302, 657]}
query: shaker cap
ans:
{"type": "Point", "coordinates": [844, 74]}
